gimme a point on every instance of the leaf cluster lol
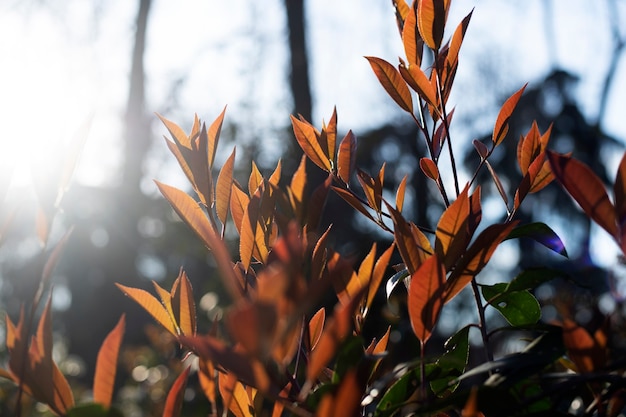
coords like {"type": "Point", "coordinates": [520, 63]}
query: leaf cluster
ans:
{"type": "Point", "coordinates": [277, 348]}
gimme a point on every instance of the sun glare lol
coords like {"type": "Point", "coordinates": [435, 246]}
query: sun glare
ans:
{"type": "Point", "coordinates": [46, 97]}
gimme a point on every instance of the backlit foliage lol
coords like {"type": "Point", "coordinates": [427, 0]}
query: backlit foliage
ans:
{"type": "Point", "coordinates": [280, 352]}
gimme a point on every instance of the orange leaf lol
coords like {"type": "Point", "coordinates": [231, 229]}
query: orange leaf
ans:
{"type": "Point", "coordinates": [345, 281]}
{"type": "Point", "coordinates": [223, 188]}
{"type": "Point", "coordinates": [316, 204]}
{"type": "Point", "coordinates": [328, 137]}
{"type": "Point", "coordinates": [214, 137]}
{"type": "Point", "coordinates": [587, 353]}
{"type": "Point", "coordinates": [402, 11]}
{"type": "Point", "coordinates": [373, 187]}
{"type": "Point", "coordinates": [411, 38]}
{"type": "Point", "coordinates": [247, 369]}
{"type": "Point", "coordinates": [528, 148]}
{"type": "Point", "coordinates": [296, 189]}
{"type": "Point", "coordinates": [413, 246]}
{"type": "Point", "coordinates": [392, 82]}
{"type": "Point", "coordinates": [187, 307]}
{"type": "Point", "coordinates": [106, 365]}
{"type": "Point", "coordinates": [349, 393]}
{"type": "Point", "coordinates": [192, 214]}
{"type": "Point", "coordinates": [239, 200]}
{"type": "Point", "coordinates": [400, 193]}
{"type": "Point", "coordinates": [275, 177]}
{"type": "Point", "coordinates": [476, 257]}
{"type": "Point", "coordinates": [587, 189]}
{"type": "Point", "coordinates": [252, 241]}
{"type": "Point", "coordinates": [431, 20]}
{"type": "Point", "coordinates": [367, 267]}
{"type": "Point", "coordinates": [415, 77]}
{"type": "Point", "coordinates": [501, 127]}
{"type": "Point", "coordinates": [206, 377]}
{"type": "Point", "coordinates": [353, 201]}
{"type": "Point", "coordinates": [377, 276]}
{"type": "Point", "coordinates": [316, 325]}
{"type": "Point", "coordinates": [256, 179]}
{"type": "Point", "coordinates": [425, 298]}
{"type": "Point", "coordinates": [452, 58]}
{"type": "Point", "coordinates": [174, 401]}
{"type": "Point", "coordinates": [498, 183]}
{"type": "Point", "coordinates": [346, 157]}
{"type": "Point", "coordinates": [151, 305]}
{"type": "Point", "coordinates": [452, 234]}
{"type": "Point", "coordinates": [239, 402]}
{"type": "Point", "coordinates": [307, 137]}
{"type": "Point", "coordinates": [336, 330]}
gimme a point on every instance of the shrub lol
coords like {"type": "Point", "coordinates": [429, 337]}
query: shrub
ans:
{"type": "Point", "coordinates": [277, 350]}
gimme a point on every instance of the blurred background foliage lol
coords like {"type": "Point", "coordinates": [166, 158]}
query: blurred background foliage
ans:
{"type": "Point", "coordinates": [119, 62]}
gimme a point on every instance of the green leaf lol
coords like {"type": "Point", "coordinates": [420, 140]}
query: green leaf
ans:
{"type": "Point", "coordinates": [541, 233]}
{"type": "Point", "coordinates": [401, 390]}
{"type": "Point", "coordinates": [532, 278]}
{"type": "Point", "coordinates": [349, 356]}
{"type": "Point", "coordinates": [453, 362]}
{"type": "Point", "coordinates": [519, 308]}
{"type": "Point", "coordinates": [93, 410]}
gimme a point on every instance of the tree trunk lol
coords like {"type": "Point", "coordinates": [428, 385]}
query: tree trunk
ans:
{"type": "Point", "coordinates": [137, 124]}
{"type": "Point", "coordinates": [299, 70]}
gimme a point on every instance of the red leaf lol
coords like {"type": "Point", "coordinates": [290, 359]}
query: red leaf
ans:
{"type": "Point", "coordinates": [106, 365]}
{"type": "Point", "coordinates": [392, 82]}
{"type": "Point", "coordinates": [429, 168]}
{"type": "Point", "coordinates": [501, 127]}
{"type": "Point", "coordinates": [587, 189]}
{"type": "Point", "coordinates": [174, 401]}
{"type": "Point", "coordinates": [425, 298]}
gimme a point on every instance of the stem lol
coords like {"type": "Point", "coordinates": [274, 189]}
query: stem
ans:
{"type": "Point", "coordinates": [444, 120]}
{"type": "Point", "coordinates": [422, 371]}
{"type": "Point", "coordinates": [483, 322]}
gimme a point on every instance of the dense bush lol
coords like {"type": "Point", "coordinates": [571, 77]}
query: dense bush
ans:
{"type": "Point", "coordinates": [279, 351]}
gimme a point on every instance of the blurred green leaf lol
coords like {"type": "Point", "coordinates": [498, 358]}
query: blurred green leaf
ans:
{"type": "Point", "coordinates": [453, 362]}
{"type": "Point", "coordinates": [348, 357]}
{"type": "Point", "coordinates": [541, 233]}
{"type": "Point", "coordinates": [532, 278]}
{"type": "Point", "coordinates": [93, 410]}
